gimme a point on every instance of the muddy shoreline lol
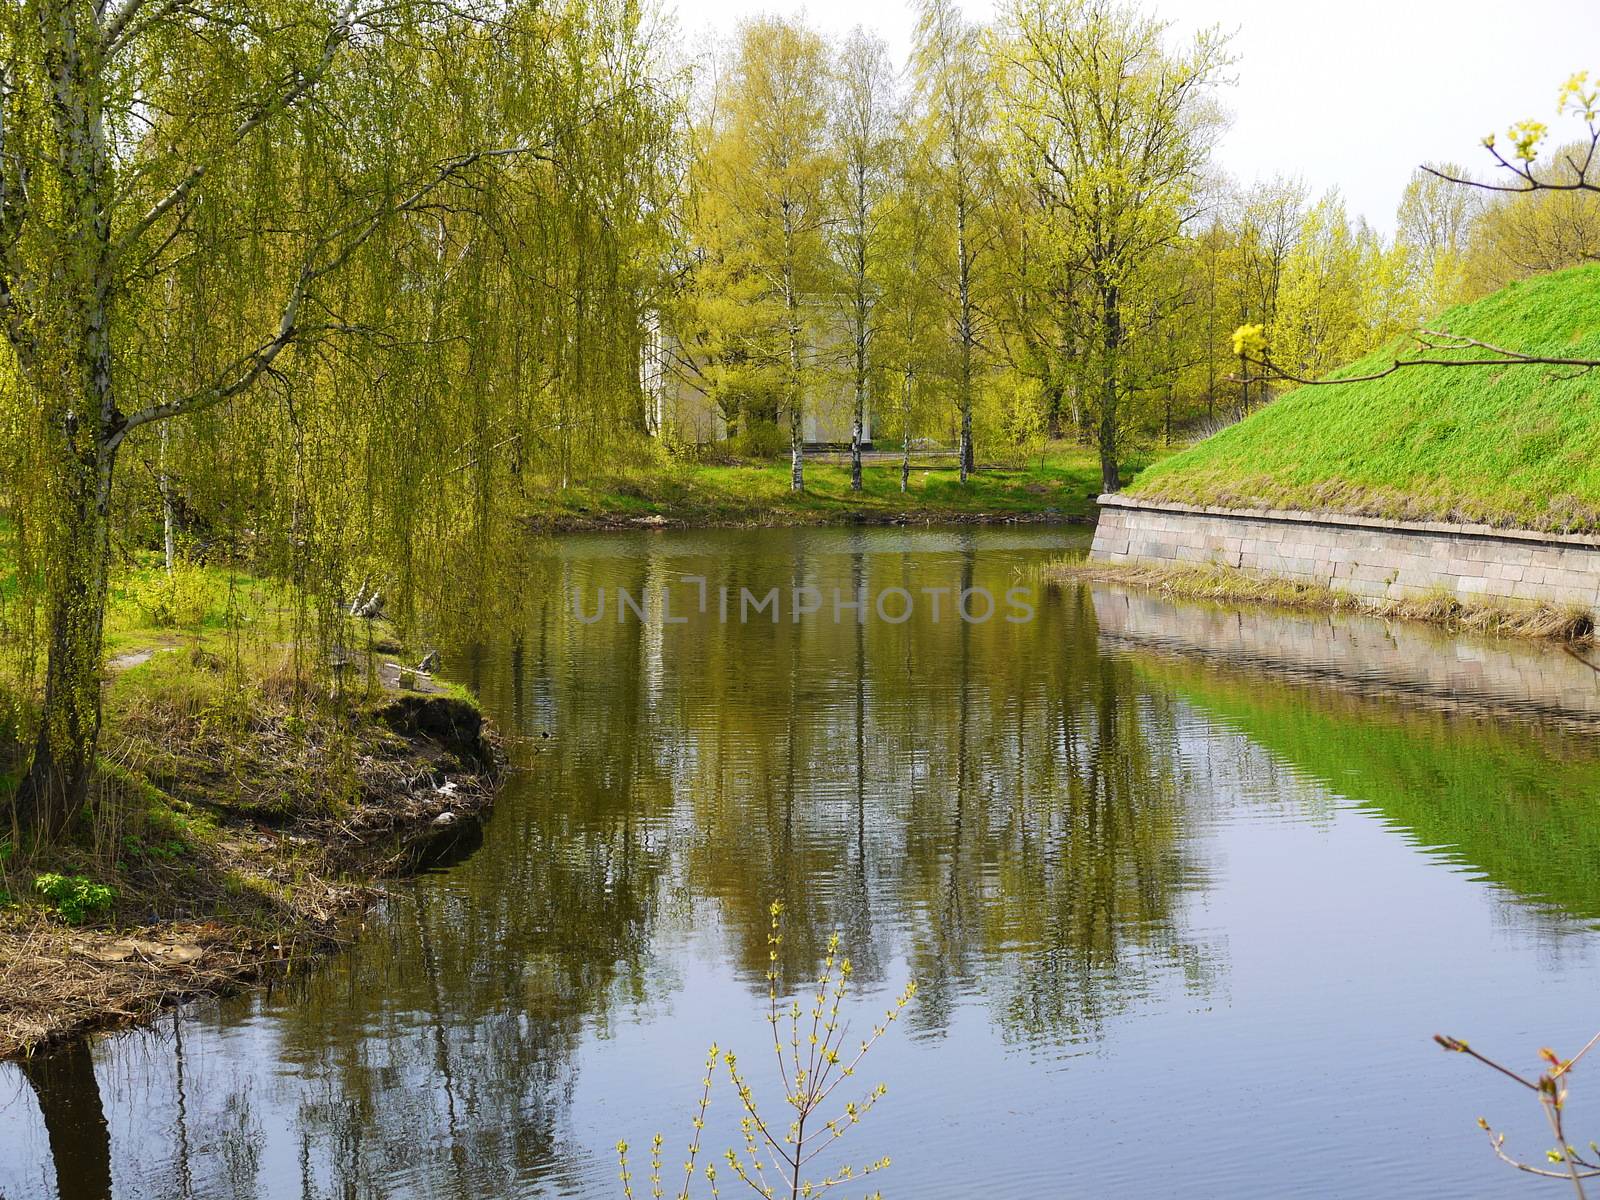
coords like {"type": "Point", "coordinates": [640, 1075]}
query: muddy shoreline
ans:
{"type": "Point", "coordinates": [428, 766]}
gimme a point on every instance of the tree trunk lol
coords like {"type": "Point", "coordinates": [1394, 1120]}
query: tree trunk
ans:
{"type": "Point", "coordinates": [905, 433]}
{"type": "Point", "coordinates": [855, 451]}
{"type": "Point", "coordinates": [863, 315]}
{"type": "Point", "coordinates": [1111, 317]}
{"type": "Point", "coordinates": [1211, 345]}
{"type": "Point", "coordinates": [791, 299]}
{"type": "Point", "coordinates": [964, 395]}
{"type": "Point", "coordinates": [968, 463]}
{"type": "Point", "coordinates": [169, 515]}
{"type": "Point", "coordinates": [797, 452]}
{"type": "Point", "coordinates": [56, 785]}
{"type": "Point", "coordinates": [857, 425]}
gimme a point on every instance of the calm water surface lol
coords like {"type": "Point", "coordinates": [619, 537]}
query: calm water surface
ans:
{"type": "Point", "coordinates": [1186, 891]}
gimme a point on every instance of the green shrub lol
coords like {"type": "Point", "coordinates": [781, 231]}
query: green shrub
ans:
{"type": "Point", "coordinates": [74, 897]}
{"type": "Point", "coordinates": [761, 439]}
{"type": "Point", "coordinates": [180, 598]}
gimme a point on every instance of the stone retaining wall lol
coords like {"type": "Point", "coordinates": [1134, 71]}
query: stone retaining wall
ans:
{"type": "Point", "coordinates": [1368, 557]}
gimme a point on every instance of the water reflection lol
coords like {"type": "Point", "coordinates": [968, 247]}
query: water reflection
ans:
{"type": "Point", "coordinates": [1049, 824]}
{"type": "Point", "coordinates": [1482, 751]}
{"type": "Point", "coordinates": [74, 1120]}
{"type": "Point", "coordinates": [1014, 806]}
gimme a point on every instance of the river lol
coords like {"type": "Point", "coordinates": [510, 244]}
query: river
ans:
{"type": "Point", "coordinates": [1185, 890]}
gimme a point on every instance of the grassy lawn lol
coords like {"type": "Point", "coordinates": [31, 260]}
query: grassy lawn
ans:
{"type": "Point", "coordinates": [1515, 446]}
{"type": "Point", "coordinates": [210, 645]}
{"type": "Point", "coordinates": [1062, 484]}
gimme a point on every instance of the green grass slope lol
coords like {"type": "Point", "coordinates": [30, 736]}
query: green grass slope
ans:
{"type": "Point", "coordinates": [1510, 446]}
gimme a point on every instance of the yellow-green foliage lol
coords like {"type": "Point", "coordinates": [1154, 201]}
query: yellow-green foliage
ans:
{"type": "Point", "coordinates": [328, 361]}
{"type": "Point", "coordinates": [182, 597]}
{"type": "Point", "coordinates": [824, 1098]}
{"type": "Point", "coordinates": [1510, 446]}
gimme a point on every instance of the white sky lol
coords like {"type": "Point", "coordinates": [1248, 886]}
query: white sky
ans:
{"type": "Point", "coordinates": [1353, 93]}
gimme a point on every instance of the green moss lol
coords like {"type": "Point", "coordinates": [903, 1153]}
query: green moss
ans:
{"type": "Point", "coordinates": [1514, 446]}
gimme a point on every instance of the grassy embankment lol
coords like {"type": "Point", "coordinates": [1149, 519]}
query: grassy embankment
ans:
{"type": "Point", "coordinates": [1060, 486]}
{"type": "Point", "coordinates": [240, 814]}
{"type": "Point", "coordinates": [1513, 447]}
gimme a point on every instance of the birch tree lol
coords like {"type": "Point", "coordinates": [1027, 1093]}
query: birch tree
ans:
{"type": "Point", "coordinates": [1124, 128]}
{"type": "Point", "coordinates": [866, 123]}
{"type": "Point", "coordinates": [769, 171]}
{"type": "Point", "coordinates": [953, 87]}
{"type": "Point", "coordinates": [912, 345]}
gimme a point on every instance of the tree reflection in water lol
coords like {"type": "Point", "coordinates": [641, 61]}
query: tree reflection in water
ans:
{"type": "Point", "coordinates": [995, 808]}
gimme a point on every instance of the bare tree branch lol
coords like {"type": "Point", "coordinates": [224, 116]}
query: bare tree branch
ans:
{"type": "Point", "coordinates": [1441, 342]}
{"type": "Point", "coordinates": [1528, 181]}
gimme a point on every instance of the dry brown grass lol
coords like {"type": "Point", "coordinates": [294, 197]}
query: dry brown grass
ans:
{"type": "Point", "coordinates": [57, 982]}
{"type": "Point", "coordinates": [1569, 623]}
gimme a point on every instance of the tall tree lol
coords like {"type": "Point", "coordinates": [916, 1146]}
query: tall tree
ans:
{"type": "Point", "coordinates": [1326, 296]}
{"type": "Point", "coordinates": [769, 170]}
{"type": "Point", "coordinates": [910, 338]}
{"type": "Point", "coordinates": [953, 87]}
{"type": "Point", "coordinates": [1272, 216]}
{"type": "Point", "coordinates": [87, 205]}
{"type": "Point", "coordinates": [254, 171]}
{"type": "Point", "coordinates": [1124, 127]}
{"type": "Point", "coordinates": [1512, 236]}
{"type": "Point", "coordinates": [865, 125]}
{"type": "Point", "coordinates": [1435, 221]}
